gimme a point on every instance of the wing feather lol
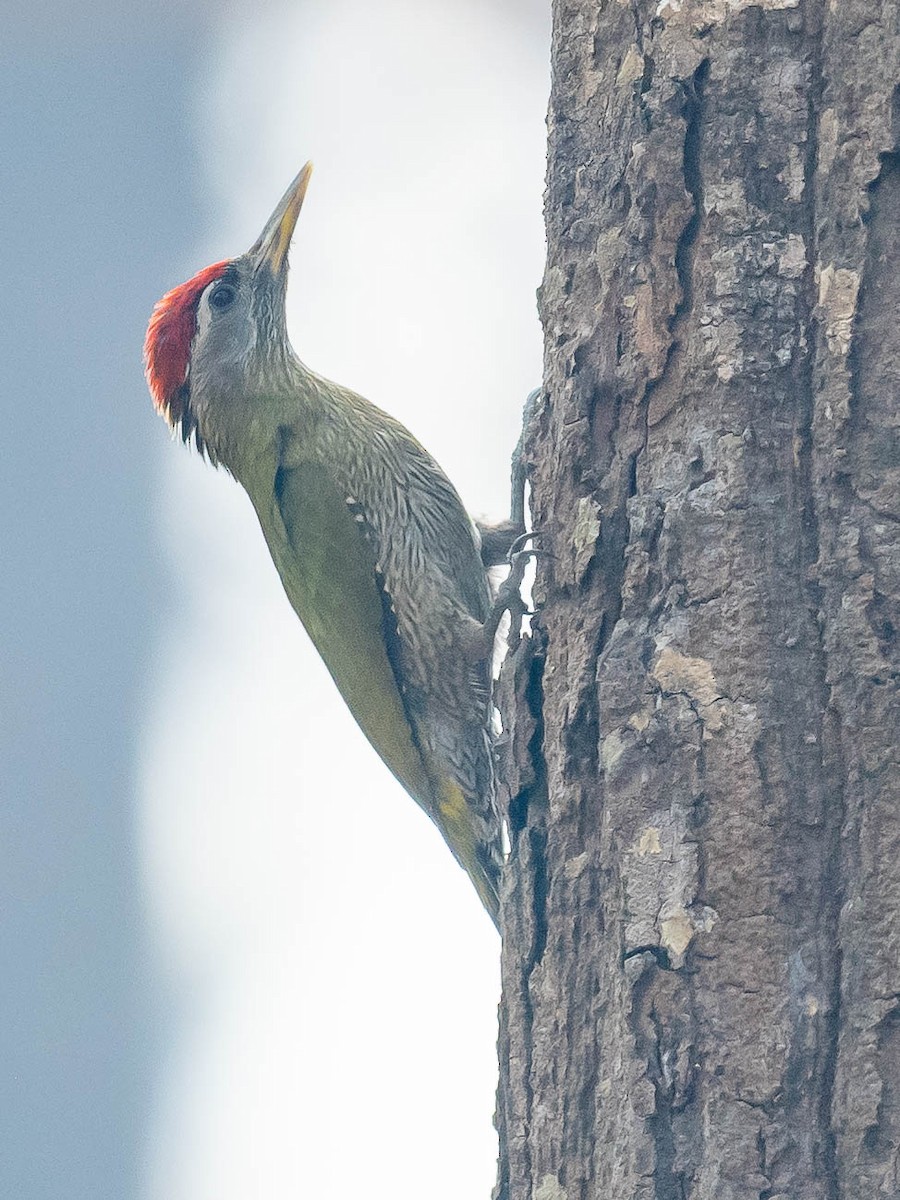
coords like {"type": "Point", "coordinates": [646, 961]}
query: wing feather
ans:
{"type": "Point", "coordinates": [330, 571]}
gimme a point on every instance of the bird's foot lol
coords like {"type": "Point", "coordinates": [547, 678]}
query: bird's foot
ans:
{"type": "Point", "coordinates": [509, 594]}
{"type": "Point", "coordinates": [498, 540]}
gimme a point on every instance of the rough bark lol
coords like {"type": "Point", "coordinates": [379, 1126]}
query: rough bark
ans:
{"type": "Point", "coordinates": [701, 962]}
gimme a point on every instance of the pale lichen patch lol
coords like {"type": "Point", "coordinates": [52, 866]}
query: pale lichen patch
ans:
{"type": "Point", "coordinates": [838, 292]}
{"type": "Point", "coordinates": [678, 673]}
{"type": "Point", "coordinates": [550, 1189]}
{"type": "Point", "coordinates": [794, 174]}
{"type": "Point", "coordinates": [660, 874]}
{"type": "Point", "coordinates": [632, 67]}
{"type": "Point", "coordinates": [675, 672]}
{"type": "Point", "coordinates": [791, 253]}
{"type": "Point", "coordinates": [676, 932]}
{"type": "Point", "coordinates": [640, 720]}
{"type": "Point", "coordinates": [611, 750]}
{"type": "Point", "coordinates": [678, 926]}
{"type": "Point", "coordinates": [648, 842]}
{"type": "Point", "coordinates": [585, 533]}
{"type": "Point", "coordinates": [705, 12]}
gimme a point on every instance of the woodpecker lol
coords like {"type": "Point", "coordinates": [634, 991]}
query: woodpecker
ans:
{"type": "Point", "coordinates": [375, 550]}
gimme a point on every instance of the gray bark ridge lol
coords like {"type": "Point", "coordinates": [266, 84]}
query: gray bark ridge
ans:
{"type": "Point", "coordinates": [701, 958]}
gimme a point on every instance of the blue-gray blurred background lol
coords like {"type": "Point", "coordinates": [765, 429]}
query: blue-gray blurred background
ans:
{"type": "Point", "coordinates": [235, 961]}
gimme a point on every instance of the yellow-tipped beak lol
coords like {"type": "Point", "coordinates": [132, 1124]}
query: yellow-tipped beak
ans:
{"type": "Point", "coordinates": [271, 247]}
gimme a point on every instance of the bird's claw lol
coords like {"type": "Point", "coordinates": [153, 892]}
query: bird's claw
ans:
{"type": "Point", "coordinates": [509, 594]}
{"type": "Point", "coordinates": [518, 546]}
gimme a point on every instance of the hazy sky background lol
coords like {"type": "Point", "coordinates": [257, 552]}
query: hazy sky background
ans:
{"type": "Point", "coordinates": [236, 960]}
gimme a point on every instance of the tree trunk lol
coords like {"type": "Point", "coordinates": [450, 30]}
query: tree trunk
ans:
{"type": "Point", "coordinates": [701, 962]}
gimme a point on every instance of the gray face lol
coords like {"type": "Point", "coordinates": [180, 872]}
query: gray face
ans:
{"type": "Point", "coordinates": [226, 338]}
{"type": "Point", "coordinates": [239, 344]}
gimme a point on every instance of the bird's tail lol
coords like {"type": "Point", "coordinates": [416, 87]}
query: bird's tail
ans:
{"type": "Point", "coordinates": [475, 842]}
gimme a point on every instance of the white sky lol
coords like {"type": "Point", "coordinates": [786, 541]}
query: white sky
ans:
{"type": "Point", "coordinates": [336, 976]}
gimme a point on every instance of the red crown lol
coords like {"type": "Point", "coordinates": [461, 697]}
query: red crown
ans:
{"type": "Point", "coordinates": [167, 346]}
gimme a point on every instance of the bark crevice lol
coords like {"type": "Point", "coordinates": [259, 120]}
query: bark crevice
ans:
{"type": "Point", "coordinates": [693, 185]}
{"type": "Point", "coordinates": [692, 175]}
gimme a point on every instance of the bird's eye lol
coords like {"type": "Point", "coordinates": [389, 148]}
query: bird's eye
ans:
{"type": "Point", "coordinates": [222, 297]}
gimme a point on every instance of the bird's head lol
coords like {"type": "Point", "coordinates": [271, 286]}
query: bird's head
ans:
{"type": "Point", "coordinates": [223, 332]}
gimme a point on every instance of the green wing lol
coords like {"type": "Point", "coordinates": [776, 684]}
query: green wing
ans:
{"type": "Point", "coordinates": [329, 572]}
